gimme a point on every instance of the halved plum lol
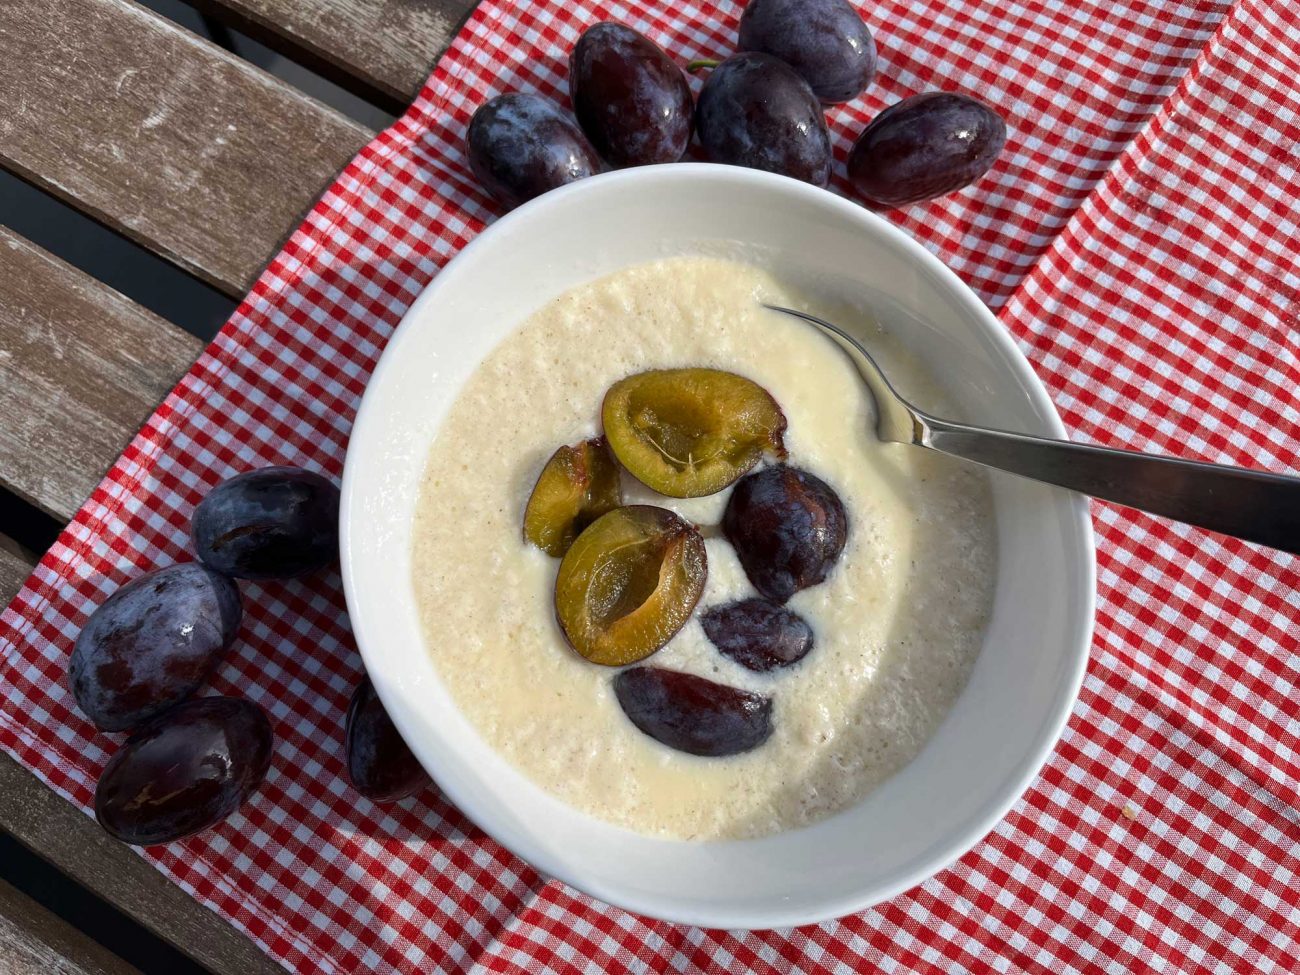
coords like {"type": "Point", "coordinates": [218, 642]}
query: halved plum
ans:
{"type": "Point", "coordinates": [693, 714]}
{"type": "Point", "coordinates": [628, 583]}
{"type": "Point", "coordinates": [577, 486]}
{"type": "Point", "coordinates": [788, 527]}
{"type": "Point", "coordinates": [758, 634]}
{"type": "Point", "coordinates": [691, 432]}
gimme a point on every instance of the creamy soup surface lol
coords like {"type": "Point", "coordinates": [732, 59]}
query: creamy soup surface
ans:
{"type": "Point", "coordinates": [897, 624]}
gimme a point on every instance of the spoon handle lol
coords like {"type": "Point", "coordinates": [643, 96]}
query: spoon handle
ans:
{"type": "Point", "coordinates": [1254, 505]}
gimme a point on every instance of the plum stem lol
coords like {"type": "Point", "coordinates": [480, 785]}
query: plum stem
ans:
{"type": "Point", "coordinates": [698, 63]}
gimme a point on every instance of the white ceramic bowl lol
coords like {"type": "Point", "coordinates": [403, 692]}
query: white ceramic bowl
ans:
{"type": "Point", "coordinates": [1002, 727]}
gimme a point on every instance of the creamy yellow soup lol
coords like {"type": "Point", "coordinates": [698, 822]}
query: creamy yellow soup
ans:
{"type": "Point", "coordinates": [897, 624]}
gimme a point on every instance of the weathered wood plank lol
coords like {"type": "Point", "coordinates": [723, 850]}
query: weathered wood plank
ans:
{"type": "Point", "coordinates": [177, 144]}
{"type": "Point", "coordinates": [16, 565]}
{"type": "Point", "coordinates": [61, 834]}
{"type": "Point", "coordinates": [383, 48]}
{"type": "Point", "coordinates": [35, 942]}
{"type": "Point", "coordinates": [81, 367]}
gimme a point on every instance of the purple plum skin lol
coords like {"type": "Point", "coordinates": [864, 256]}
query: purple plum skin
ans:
{"type": "Point", "coordinates": [185, 771]}
{"type": "Point", "coordinates": [693, 714]}
{"type": "Point", "coordinates": [756, 111]}
{"type": "Point", "coordinates": [632, 101]}
{"type": "Point", "coordinates": [152, 644]}
{"type": "Point", "coordinates": [825, 41]}
{"type": "Point", "coordinates": [757, 634]}
{"type": "Point", "coordinates": [925, 146]}
{"type": "Point", "coordinates": [520, 146]}
{"type": "Point", "coordinates": [380, 763]}
{"type": "Point", "coordinates": [271, 523]}
{"type": "Point", "coordinates": [788, 528]}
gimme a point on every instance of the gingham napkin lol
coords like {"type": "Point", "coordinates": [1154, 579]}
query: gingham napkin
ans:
{"type": "Point", "coordinates": [1139, 240]}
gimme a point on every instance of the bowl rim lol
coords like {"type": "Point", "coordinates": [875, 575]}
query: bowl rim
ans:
{"type": "Point", "coordinates": [946, 851]}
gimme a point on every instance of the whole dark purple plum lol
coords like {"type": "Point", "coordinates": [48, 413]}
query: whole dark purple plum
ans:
{"type": "Point", "coordinates": [756, 111]}
{"type": "Point", "coordinates": [631, 100]}
{"type": "Point", "coordinates": [380, 763]}
{"type": "Point", "coordinates": [184, 771]}
{"type": "Point", "coordinates": [693, 714]}
{"type": "Point", "coordinates": [824, 40]}
{"type": "Point", "coordinates": [925, 146]}
{"type": "Point", "coordinates": [520, 146]}
{"type": "Point", "coordinates": [788, 527]}
{"type": "Point", "coordinates": [152, 644]}
{"type": "Point", "coordinates": [272, 523]}
{"type": "Point", "coordinates": [758, 634]}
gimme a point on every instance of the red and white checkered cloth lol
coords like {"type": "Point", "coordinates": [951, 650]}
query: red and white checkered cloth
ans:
{"type": "Point", "coordinates": [1138, 238]}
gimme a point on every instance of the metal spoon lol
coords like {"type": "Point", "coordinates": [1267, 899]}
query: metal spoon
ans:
{"type": "Point", "coordinates": [1254, 505]}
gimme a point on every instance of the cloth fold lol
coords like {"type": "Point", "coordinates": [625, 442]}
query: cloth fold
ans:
{"type": "Point", "coordinates": [1138, 238]}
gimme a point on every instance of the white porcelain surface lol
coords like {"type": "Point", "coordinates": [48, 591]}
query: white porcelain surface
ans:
{"type": "Point", "coordinates": [1001, 729]}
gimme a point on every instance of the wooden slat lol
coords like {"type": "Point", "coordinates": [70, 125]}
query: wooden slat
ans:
{"type": "Point", "coordinates": [382, 49]}
{"type": "Point", "coordinates": [35, 942]}
{"type": "Point", "coordinates": [81, 367]}
{"type": "Point", "coordinates": [52, 828]}
{"type": "Point", "coordinates": [182, 147]}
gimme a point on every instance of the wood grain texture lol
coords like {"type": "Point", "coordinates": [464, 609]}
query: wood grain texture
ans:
{"type": "Point", "coordinates": [162, 136]}
{"type": "Point", "coordinates": [34, 941]}
{"type": "Point", "coordinates": [81, 367]}
{"type": "Point", "coordinates": [381, 49]}
{"type": "Point", "coordinates": [71, 841]}
{"type": "Point", "coordinates": [16, 564]}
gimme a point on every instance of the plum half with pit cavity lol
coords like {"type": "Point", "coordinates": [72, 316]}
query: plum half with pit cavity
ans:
{"type": "Point", "coordinates": [628, 583]}
{"type": "Point", "coordinates": [688, 433]}
{"type": "Point", "coordinates": [577, 486]}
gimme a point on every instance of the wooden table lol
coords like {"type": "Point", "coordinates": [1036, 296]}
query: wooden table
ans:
{"type": "Point", "coordinates": [209, 162]}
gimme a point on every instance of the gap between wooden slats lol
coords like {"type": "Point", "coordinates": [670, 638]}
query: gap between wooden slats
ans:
{"type": "Point", "coordinates": [380, 49]}
{"type": "Point", "coordinates": [35, 942]}
{"type": "Point", "coordinates": [16, 564]}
